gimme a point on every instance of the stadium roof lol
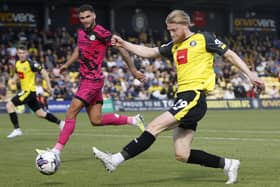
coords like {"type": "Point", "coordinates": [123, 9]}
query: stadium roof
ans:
{"type": "Point", "coordinates": [266, 5]}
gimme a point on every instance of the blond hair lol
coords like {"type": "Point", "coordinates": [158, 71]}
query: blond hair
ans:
{"type": "Point", "coordinates": [180, 17]}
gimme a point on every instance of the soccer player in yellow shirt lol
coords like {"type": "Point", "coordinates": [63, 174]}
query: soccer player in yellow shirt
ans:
{"type": "Point", "coordinates": [193, 56]}
{"type": "Point", "coordinates": [25, 72]}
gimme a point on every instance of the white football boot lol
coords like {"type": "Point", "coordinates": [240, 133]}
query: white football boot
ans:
{"type": "Point", "coordinates": [105, 158]}
{"type": "Point", "coordinates": [232, 171]}
{"type": "Point", "coordinates": [15, 133]}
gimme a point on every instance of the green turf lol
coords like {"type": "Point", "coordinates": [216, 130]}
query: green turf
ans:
{"type": "Point", "coordinates": [252, 136]}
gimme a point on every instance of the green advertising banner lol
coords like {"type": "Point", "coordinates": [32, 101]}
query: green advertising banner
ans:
{"type": "Point", "coordinates": [108, 106]}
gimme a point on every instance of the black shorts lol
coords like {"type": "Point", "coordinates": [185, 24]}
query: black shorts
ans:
{"type": "Point", "coordinates": [26, 97]}
{"type": "Point", "coordinates": [189, 107]}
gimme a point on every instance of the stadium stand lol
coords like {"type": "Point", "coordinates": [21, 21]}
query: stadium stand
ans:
{"type": "Point", "coordinates": [52, 47]}
{"type": "Point", "coordinates": [264, 60]}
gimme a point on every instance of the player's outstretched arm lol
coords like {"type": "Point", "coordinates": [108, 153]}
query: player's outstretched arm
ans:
{"type": "Point", "coordinates": [126, 57]}
{"type": "Point", "coordinates": [15, 77]}
{"type": "Point", "coordinates": [236, 60]}
{"type": "Point", "coordinates": [74, 57]}
{"type": "Point", "coordinates": [45, 76]}
{"type": "Point", "coordinates": [139, 50]}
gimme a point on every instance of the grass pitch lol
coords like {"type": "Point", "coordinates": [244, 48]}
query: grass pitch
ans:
{"type": "Point", "coordinates": [253, 136]}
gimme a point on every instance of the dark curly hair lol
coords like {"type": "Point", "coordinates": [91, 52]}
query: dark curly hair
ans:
{"type": "Point", "coordinates": [86, 7]}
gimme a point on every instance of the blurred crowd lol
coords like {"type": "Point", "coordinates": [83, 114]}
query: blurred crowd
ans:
{"type": "Point", "coordinates": [51, 49]}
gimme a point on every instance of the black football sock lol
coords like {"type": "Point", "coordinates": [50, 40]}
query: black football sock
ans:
{"type": "Point", "coordinates": [50, 117]}
{"type": "Point", "coordinates": [206, 159]}
{"type": "Point", "coordinates": [14, 119]}
{"type": "Point", "coordinates": [138, 145]}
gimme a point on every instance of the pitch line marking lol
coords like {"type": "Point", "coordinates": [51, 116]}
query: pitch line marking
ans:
{"type": "Point", "coordinates": [163, 136]}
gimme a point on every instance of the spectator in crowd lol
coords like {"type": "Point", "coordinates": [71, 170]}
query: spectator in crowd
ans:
{"type": "Point", "coordinates": [253, 48]}
{"type": "Point", "coordinates": [274, 92]}
{"type": "Point", "coordinates": [3, 92]}
{"type": "Point", "coordinates": [229, 94]}
{"type": "Point", "coordinates": [239, 90]}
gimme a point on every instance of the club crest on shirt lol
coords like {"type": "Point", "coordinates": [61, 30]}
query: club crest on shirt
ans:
{"type": "Point", "coordinates": [193, 43]}
{"type": "Point", "coordinates": [92, 37]}
{"type": "Point", "coordinates": [36, 65]}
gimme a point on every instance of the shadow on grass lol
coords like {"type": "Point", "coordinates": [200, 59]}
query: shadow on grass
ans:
{"type": "Point", "coordinates": [52, 183]}
{"type": "Point", "coordinates": [194, 179]}
{"type": "Point", "coordinates": [77, 159]}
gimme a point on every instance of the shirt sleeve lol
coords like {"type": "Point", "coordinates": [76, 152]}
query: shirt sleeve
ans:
{"type": "Point", "coordinates": [108, 40]}
{"type": "Point", "coordinates": [103, 35]}
{"type": "Point", "coordinates": [214, 45]}
{"type": "Point", "coordinates": [106, 37]}
{"type": "Point", "coordinates": [166, 50]}
{"type": "Point", "coordinates": [35, 67]}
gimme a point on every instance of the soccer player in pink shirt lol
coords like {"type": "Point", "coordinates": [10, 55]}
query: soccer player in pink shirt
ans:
{"type": "Point", "coordinates": [92, 42]}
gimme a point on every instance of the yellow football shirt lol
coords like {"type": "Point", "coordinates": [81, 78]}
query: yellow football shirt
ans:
{"type": "Point", "coordinates": [26, 73]}
{"type": "Point", "coordinates": [194, 59]}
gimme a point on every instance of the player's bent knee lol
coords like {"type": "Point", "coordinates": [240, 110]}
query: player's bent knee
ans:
{"type": "Point", "coordinates": [182, 156]}
{"type": "Point", "coordinates": [40, 113]}
{"type": "Point", "coordinates": [72, 113]}
{"type": "Point", "coordinates": [10, 106]}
